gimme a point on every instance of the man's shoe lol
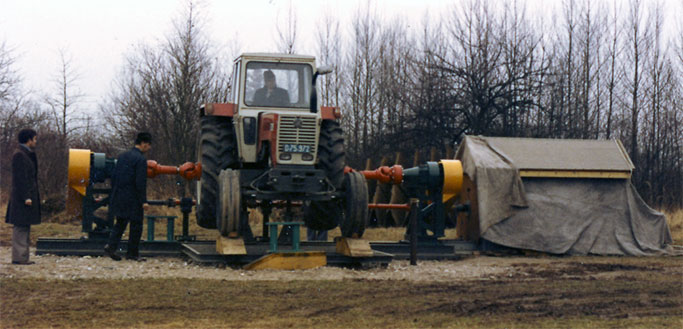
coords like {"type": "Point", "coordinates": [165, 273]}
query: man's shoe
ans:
{"type": "Point", "coordinates": [112, 254]}
{"type": "Point", "coordinates": [23, 263]}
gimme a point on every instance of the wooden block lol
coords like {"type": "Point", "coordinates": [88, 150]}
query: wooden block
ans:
{"type": "Point", "coordinates": [353, 247]}
{"type": "Point", "coordinates": [228, 246]}
{"type": "Point", "coordinates": [300, 260]}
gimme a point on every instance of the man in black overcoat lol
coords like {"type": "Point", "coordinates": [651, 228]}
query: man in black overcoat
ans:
{"type": "Point", "coordinates": [128, 198]}
{"type": "Point", "coordinates": [270, 94]}
{"type": "Point", "coordinates": [23, 209]}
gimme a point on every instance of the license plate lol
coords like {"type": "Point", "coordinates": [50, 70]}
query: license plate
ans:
{"type": "Point", "coordinates": [297, 148]}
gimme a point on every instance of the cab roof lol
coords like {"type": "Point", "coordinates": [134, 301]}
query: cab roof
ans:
{"type": "Point", "coordinates": [277, 57]}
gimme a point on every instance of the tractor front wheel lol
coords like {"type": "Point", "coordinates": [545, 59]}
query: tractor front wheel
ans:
{"type": "Point", "coordinates": [326, 215]}
{"type": "Point", "coordinates": [355, 205]}
{"type": "Point", "coordinates": [229, 207]}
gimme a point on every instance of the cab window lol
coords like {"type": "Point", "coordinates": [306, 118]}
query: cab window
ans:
{"type": "Point", "coordinates": [277, 85]}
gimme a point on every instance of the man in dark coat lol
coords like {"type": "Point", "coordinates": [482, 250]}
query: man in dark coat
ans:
{"type": "Point", "coordinates": [270, 94]}
{"type": "Point", "coordinates": [128, 198]}
{"type": "Point", "coordinates": [23, 209]}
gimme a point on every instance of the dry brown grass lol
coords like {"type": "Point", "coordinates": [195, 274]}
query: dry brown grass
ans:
{"type": "Point", "coordinates": [675, 220]}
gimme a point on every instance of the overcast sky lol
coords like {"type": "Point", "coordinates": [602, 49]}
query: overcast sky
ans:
{"type": "Point", "coordinates": [97, 34]}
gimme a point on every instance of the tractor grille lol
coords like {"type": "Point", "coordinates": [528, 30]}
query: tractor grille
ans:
{"type": "Point", "coordinates": [297, 130]}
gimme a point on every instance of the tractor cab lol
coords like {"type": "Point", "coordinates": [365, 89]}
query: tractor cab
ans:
{"type": "Point", "coordinates": [276, 117]}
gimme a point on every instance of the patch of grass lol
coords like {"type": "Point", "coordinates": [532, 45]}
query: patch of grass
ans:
{"type": "Point", "coordinates": [675, 220]}
{"type": "Point", "coordinates": [52, 230]}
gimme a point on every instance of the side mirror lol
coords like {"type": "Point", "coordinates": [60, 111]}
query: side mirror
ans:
{"type": "Point", "coordinates": [325, 70]}
{"type": "Point", "coordinates": [314, 94]}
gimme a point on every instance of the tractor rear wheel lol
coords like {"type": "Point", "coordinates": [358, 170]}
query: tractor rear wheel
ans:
{"type": "Point", "coordinates": [217, 150]}
{"type": "Point", "coordinates": [326, 215]}
{"type": "Point", "coordinates": [355, 205]}
{"type": "Point", "coordinates": [229, 207]}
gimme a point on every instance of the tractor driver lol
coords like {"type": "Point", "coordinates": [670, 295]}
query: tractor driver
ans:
{"type": "Point", "coordinates": [270, 94]}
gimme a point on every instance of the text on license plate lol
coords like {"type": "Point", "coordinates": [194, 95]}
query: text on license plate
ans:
{"type": "Point", "coordinates": [297, 148]}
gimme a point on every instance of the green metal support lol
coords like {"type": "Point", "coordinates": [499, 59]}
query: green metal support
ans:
{"type": "Point", "coordinates": [296, 236]}
{"type": "Point", "coordinates": [170, 227]}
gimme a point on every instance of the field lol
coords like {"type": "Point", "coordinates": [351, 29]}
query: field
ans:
{"type": "Point", "coordinates": [477, 292]}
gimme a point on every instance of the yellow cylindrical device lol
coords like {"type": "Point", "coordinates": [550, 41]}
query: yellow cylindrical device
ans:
{"type": "Point", "coordinates": [452, 178]}
{"type": "Point", "coordinates": [79, 169]}
{"type": "Point", "coordinates": [78, 180]}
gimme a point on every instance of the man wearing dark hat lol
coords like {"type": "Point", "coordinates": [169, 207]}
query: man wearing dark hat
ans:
{"type": "Point", "coordinates": [128, 198]}
{"type": "Point", "coordinates": [23, 209]}
{"type": "Point", "coordinates": [270, 94]}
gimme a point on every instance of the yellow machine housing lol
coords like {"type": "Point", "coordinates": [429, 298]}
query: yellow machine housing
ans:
{"type": "Point", "coordinates": [452, 178]}
{"type": "Point", "coordinates": [78, 180]}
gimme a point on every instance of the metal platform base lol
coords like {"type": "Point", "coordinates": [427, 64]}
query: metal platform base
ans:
{"type": "Point", "coordinates": [204, 251]}
{"type": "Point", "coordinates": [445, 250]}
{"type": "Point", "coordinates": [93, 247]}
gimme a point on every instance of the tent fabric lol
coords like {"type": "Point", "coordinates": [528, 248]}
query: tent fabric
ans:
{"type": "Point", "coordinates": [559, 215]}
{"type": "Point", "coordinates": [498, 182]}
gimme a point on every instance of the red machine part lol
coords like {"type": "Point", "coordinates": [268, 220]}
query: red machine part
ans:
{"type": "Point", "coordinates": [383, 174]}
{"type": "Point", "coordinates": [187, 170]}
{"type": "Point", "coordinates": [219, 109]}
{"type": "Point", "coordinates": [330, 112]}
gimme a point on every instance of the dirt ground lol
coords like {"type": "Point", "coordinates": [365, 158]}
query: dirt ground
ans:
{"type": "Point", "coordinates": [476, 292]}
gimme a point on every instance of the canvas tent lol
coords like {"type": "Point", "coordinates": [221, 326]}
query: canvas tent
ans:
{"type": "Point", "coordinates": [556, 196]}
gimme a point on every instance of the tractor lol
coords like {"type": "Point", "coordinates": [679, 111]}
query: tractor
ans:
{"type": "Point", "coordinates": [273, 146]}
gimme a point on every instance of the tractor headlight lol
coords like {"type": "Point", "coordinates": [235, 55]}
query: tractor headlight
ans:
{"type": "Point", "coordinates": [307, 157]}
{"type": "Point", "coordinates": [285, 156]}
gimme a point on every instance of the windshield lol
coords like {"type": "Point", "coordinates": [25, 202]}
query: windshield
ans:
{"type": "Point", "coordinates": [278, 84]}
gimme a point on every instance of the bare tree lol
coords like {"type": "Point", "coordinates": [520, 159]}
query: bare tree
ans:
{"type": "Point", "coordinates": [613, 55]}
{"type": "Point", "coordinates": [161, 88]}
{"type": "Point", "coordinates": [9, 78]}
{"type": "Point", "coordinates": [638, 43]}
{"type": "Point", "coordinates": [286, 31]}
{"type": "Point", "coordinates": [486, 86]}
{"type": "Point", "coordinates": [329, 49]}
{"type": "Point", "coordinates": [63, 102]}
{"type": "Point", "coordinates": [361, 65]}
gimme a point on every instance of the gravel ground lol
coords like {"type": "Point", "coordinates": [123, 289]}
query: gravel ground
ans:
{"type": "Point", "coordinates": [71, 267]}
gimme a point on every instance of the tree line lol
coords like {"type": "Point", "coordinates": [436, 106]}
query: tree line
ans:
{"type": "Point", "coordinates": [589, 70]}
{"type": "Point", "coordinates": [592, 70]}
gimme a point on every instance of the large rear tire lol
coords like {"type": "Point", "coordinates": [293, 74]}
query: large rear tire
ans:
{"type": "Point", "coordinates": [331, 156]}
{"type": "Point", "coordinates": [217, 151]}
{"type": "Point", "coordinates": [229, 207]}
{"type": "Point", "coordinates": [355, 205]}
{"type": "Point", "coordinates": [326, 215]}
